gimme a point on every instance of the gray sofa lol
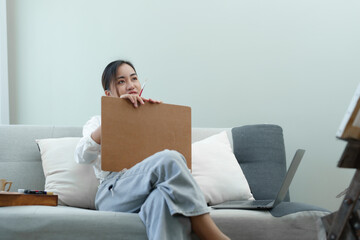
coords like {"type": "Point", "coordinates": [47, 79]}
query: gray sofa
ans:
{"type": "Point", "coordinates": [258, 148]}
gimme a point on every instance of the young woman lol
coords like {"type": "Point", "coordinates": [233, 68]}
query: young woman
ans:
{"type": "Point", "coordinates": [160, 188]}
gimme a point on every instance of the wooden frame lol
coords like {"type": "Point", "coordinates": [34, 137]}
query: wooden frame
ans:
{"type": "Point", "coordinates": [345, 223]}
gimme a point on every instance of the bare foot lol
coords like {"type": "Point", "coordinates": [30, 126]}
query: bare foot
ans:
{"type": "Point", "coordinates": [205, 228]}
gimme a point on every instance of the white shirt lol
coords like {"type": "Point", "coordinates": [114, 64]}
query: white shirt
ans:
{"type": "Point", "coordinates": [88, 151]}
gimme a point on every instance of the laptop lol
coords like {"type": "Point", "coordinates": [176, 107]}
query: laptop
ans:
{"type": "Point", "coordinates": [267, 204]}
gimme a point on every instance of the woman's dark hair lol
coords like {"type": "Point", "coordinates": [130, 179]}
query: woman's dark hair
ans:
{"type": "Point", "coordinates": [109, 74]}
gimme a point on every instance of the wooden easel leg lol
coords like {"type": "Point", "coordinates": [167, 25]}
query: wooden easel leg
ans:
{"type": "Point", "coordinates": [345, 222]}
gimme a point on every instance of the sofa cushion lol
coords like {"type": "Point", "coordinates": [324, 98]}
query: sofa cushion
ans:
{"type": "Point", "coordinates": [285, 208]}
{"type": "Point", "coordinates": [75, 184]}
{"type": "Point", "coordinates": [217, 171]}
{"type": "Point", "coordinates": [61, 222]}
{"type": "Point", "coordinates": [260, 151]}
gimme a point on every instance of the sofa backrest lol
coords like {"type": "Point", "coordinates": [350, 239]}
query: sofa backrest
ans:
{"type": "Point", "coordinates": [20, 160]}
{"type": "Point", "coordinates": [258, 148]}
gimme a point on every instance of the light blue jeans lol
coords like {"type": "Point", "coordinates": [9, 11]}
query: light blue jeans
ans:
{"type": "Point", "coordinates": [161, 189]}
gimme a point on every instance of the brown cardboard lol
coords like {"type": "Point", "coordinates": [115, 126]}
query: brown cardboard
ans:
{"type": "Point", "coordinates": [129, 134]}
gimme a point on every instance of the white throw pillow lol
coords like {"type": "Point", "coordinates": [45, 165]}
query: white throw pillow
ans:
{"type": "Point", "coordinates": [217, 172]}
{"type": "Point", "coordinates": [75, 184]}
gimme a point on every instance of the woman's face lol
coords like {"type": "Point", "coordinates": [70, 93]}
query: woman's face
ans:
{"type": "Point", "coordinates": [126, 82]}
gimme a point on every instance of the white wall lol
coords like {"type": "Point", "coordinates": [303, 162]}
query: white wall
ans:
{"type": "Point", "coordinates": [292, 63]}
{"type": "Point", "coordinates": [4, 83]}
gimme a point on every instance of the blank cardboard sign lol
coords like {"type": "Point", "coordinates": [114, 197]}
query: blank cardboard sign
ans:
{"type": "Point", "coordinates": [129, 134]}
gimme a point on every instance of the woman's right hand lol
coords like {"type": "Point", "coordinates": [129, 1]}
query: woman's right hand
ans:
{"type": "Point", "coordinates": [134, 98]}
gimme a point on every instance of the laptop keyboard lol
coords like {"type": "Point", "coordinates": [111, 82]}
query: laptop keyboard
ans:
{"type": "Point", "coordinates": [248, 203]}
{"type": "Point", "coordinates": [260, 202]}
